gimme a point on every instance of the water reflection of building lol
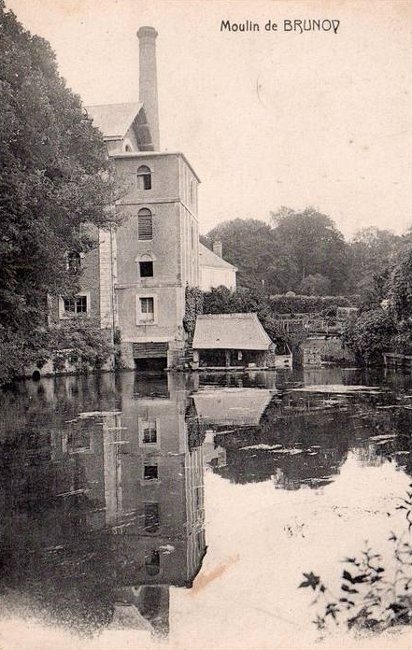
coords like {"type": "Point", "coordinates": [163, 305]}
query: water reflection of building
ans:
{"type": "Point", "coordinates": [231, 406]}
{"type": "Point", "coordinates": [156, 473]}
{"type": "Point", "coordinates": [107, 506]}
{"type": "Point", "coordinates": [303, 436]}
{"type": "Point", "coordinates": [284, 437]}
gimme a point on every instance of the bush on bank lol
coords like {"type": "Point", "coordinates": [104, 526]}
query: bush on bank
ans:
{"type": "Point", "coordinates": [17, 353]}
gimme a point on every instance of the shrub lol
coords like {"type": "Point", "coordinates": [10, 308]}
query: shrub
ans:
{"type": "Point", "coordinates": [369, 335]}
{"type": "Point", "coordinates": [306, 304]}
{"type": "Point", "coordinates": [82, 335]}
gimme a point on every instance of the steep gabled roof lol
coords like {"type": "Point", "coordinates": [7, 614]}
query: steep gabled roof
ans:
{"type": "Point", "coordinates": [210, 259]}
{"type": "Point", "coordinates": [114, 121]}
{"type": "Point", "coordinates": [230, 332]}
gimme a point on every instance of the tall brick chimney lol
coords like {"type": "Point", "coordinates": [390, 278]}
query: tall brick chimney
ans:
{"type": "Point", "coordinates": [148, 80]}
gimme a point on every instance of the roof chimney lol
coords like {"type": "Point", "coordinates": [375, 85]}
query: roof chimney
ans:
{"type": "Point", "coordinates": [217, 248]}
{"type": "Point", "coordinates": [148, 80]}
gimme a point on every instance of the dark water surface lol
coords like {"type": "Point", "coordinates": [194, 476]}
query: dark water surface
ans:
{"type": "Point", "coordinates": [189, 505]}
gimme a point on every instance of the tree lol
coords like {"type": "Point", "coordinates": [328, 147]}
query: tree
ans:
{"type": "Point", "coordinates": [313, 245]}
{"type": "Point", "coordinates": [370, 335]}
{"type": "Point", "coordinates": [315, 285]}
{"type": "Point", "coordinates": [372, 253]}
{"type": "Point", "coordinates": [55, 178]}
{"type": "Point", "coordinates": [248, 244]}
{"type": "Point", "coordinates": [400, 287]}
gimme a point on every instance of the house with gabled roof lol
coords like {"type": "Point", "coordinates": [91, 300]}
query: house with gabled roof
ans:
{"type": "Point", "coordinates": [214, 270]}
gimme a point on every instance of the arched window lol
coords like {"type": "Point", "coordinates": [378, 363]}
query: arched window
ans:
{"type": "Point", "coordinates": [144, 178]}
{"type": "Point", "coordinates": [144, 224]}
{"type": "Point", "coordinates": [145, 266]}
{"type": "Point", "coordinates": [128, 148]}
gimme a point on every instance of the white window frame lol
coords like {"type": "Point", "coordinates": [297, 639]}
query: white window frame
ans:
{"type": "Point", "coordinates": [139, 318]}
{"type": "Point", "coordinates": [63, 315]}
{"type": "Point", "coordinates": [140, 427]}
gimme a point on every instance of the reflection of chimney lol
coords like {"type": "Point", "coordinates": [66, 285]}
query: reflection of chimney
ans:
{"type": "Point", "coordinates": [148, 80]}
{"type": "Point", "coordinates": [217, 248]}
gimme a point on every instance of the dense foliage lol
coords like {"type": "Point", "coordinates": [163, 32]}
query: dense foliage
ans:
{"type": "Point", "coordinates": [400, 287]}
{"type": "Point", "coordinates": [309, 304]}
{"type": "Point", "coordinates": [314, 247]}
{"type": "Point", "coordinates": [249, 245]}
{"type": "Point", "coordinates": [82, 336]}
{"type": "Point", "coordinates": [370, 334]}
{"type": "Point", "coordinates": [193, 307]}
{"type": "Point", "coordinates": [386, 327]}
{"type": "Point", "coordinates": [372, 253]}
{"type": "Point", "coordinates": [54, 179]}
{"type": "Point", "coordinates": [304, 252]}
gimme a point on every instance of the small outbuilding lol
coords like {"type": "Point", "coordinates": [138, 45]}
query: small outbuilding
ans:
{"type": "Point", "coordinates": [232, 341]}
{"type": "Point", "coordinates": [214, 270]}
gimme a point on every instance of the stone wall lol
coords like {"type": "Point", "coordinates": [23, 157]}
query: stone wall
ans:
{"type": "Point", "coordinates": [316, 351]}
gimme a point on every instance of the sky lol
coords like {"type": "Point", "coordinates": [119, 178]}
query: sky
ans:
{"type": "Point", "coordinates": [267, 119]}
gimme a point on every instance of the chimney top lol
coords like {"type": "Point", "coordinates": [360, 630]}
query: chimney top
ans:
{"type": "Point", "coordinates": [148, 80]}
{"type": "Point", "coordinates": [217, 248]}
{"type": "Point", "coordinates": [146, 32]}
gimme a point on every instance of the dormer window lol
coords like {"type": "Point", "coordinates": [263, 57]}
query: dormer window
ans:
{"type": "Point", "coordinates": [144, 178]}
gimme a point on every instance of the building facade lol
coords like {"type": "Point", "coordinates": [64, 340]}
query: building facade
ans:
{"type": "Point", "coordinates": [134, 281]}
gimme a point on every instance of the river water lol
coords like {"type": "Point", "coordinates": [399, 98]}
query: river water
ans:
{"type": "Point", "coordinates": [141, 510]}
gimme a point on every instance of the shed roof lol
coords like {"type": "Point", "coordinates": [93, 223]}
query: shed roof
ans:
{"type": "Point", "coordinates": [230, 332]}
{"type": "Point", "coordinates": [208, 258]}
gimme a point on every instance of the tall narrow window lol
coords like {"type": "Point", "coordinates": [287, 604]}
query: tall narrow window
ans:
{"type": "Point", "coordinates": [149, 432]}
{"type": "Point", "coordinates": [151, 517]}
{"type": "Point", "coordinates": [152, 563]}
{"type": "Point", "coordinates": [144, 224]}
{"type": "Point", "coordinates": [144, 178]}
{"type": "Point", "coordinates": [147, 309]}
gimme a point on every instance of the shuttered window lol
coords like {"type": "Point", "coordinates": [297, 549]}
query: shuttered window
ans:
{"type": "Point", "coordinates": [144, 224]}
